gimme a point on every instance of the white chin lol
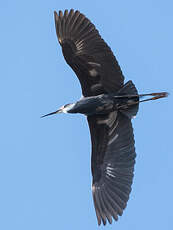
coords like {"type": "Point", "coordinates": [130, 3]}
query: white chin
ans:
{"type": "Point", "coordinates": [66, 109]}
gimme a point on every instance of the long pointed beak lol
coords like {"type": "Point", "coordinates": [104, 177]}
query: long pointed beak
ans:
{"type": "Point", "coordinates": [58, 111]}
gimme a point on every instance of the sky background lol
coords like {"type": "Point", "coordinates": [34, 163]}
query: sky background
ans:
{"type": "Point", "coordinates": [45, 178]}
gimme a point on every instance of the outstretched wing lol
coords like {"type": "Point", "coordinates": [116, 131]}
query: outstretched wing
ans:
{"type": "Point", "coordinates": [87, 54]}
{"type": "Point", "coordinates": [113, 159]}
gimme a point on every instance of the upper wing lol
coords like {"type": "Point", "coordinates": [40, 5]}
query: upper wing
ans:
{"type": "Point", "coordinates": [87, 54]}
{"type": "Point", "coordinates": [113, 159]}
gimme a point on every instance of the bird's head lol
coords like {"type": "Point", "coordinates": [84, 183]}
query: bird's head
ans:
{"type": "Point", "coordinates": [62, 109]}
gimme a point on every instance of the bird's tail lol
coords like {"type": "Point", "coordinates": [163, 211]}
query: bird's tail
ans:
{"type": "Point", "coordinates": [130, 99]}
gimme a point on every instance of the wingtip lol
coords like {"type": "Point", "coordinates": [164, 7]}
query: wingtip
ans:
{"type": "Point", "coordinates": [60, 14]}
{"type": "Point", "coordinates": [98, 220]}
{"type": "Point", "coordinates": [55, 13]}
{"type": "Point", "coordinates": [55, 16]}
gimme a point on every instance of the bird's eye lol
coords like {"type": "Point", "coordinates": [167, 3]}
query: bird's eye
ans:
{"type": "Point", "coordinates": [62, 107]}
{"type": "Point", "coordinates": [66, 105]}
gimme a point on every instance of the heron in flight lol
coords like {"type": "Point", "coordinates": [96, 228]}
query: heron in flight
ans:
{"type": "Point", "coordinates": [109, 105]}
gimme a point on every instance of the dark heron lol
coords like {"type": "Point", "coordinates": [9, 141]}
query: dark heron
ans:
{"type": "Point", "coordinates": [109, 105]}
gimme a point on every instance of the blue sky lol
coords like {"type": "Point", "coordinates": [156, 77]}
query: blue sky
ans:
{"type": "Point", "coordinates": [45, 173]}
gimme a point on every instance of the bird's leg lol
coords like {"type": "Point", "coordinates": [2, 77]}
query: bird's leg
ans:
{"type": "Point", "coordinates": [130, 102]}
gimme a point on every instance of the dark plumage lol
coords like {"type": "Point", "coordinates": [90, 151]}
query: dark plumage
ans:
{"type": "Point", "coordinates": [109, 105]}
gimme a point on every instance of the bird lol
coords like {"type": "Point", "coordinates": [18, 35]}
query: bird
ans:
{"type": "Point", "coordinates": [109, 105]}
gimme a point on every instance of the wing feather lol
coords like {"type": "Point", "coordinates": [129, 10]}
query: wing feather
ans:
{"type": "Point", "coordinates": [113, 160]}
{"type": "Point", "coordinates": [82, 45]}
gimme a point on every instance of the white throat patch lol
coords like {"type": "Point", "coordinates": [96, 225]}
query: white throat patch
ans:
{"type": "Point", "coordinates": [67, 108]}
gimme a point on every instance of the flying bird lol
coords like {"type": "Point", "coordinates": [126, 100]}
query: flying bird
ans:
{"type": "Point", "coordinates": [109, 105]}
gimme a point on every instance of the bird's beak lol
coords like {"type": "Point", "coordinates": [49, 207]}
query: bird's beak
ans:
{"type": "Point", "coordinates": [58, 111]}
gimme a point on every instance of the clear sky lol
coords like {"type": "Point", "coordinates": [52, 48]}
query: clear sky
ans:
{"type": "Point", "coordinates": [45, 178]}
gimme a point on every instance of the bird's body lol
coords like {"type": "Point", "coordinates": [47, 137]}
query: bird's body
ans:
{"type": "Point", "coordinates": [109, 105]}
{"type": "Point", "coordinates": [102, 104]}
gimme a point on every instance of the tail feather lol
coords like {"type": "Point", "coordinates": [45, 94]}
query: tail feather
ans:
{"type": "Point", "coordinates": [128, 107]}
{"type": "Point", "coordinates": [130, 99]}
{"type": "Point", "coordinates": [128, 88]}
